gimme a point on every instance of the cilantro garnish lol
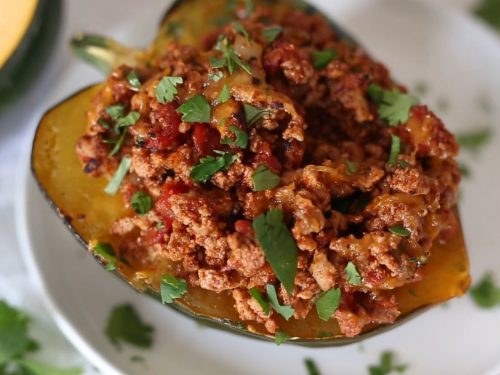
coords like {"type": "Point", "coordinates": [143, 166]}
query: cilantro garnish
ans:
{"type": "Point", "coordinates": [116, 181]}
{"type": "Point", "coordinates": [311, 367]}
{"type": "Point", "coordinates": [395, 150]}
{"type": "Point", "coordinates": [128, 120]}
{"type": "Point", "coordinates": [474, 140]}
{"type": "Point", "coordinates": [271, 33]}
{"type": "Point", "coordinates": [400, 231]}
{"type": "Point", "coordinates": [125, 325]}
{"type": "Point", "coordinates": [280, 337]}
{"type": "Point", "coordinates": [284, 310]}
{"type": "Point", "coordinates": [253, 114]}
{"type": "Point", "coordinates": [196, 109]}
{"type": "Point", "coordinates": [264, 179]}
{"type": "Point", "coordinates": [489, 11]}
{"type": "Point", "coordinates": [240, 29]}
{"type": "Point", "coordinates": [352, 274]}
{"type": "Point", "coordinates": [15, 344]}
{"type": "Point", "coordinates": [106, 252]}
{"type": "Point", "coordinates": [241, 137]}
{"type": "Point", "coordinates": [166, 89]}
{"type": "Point", "coordinates": [104, 123]}
{"type": "Point", "coordinates": [230, 59]}
{"type": "Point", "coordinates": [133, 80]}
{"type": "Point", "coordinates": [485, 294]}
{"type": "Point", "coordinates": [141, 202]}
{"type": "Point", "coordinates": [257, 295]}
{"type": "Point", "coordinates": [115, 111]}
{"type": "Point", "coordinates": [224, 95]}
{"type": "Point", "coordinates": [393, 105]}
{"type": "Point", "coordinates": [386, 365]}
{"type": "Point", "coordinates": [215, 76]}
{"type": "Point", "coordinates": [351, 167]}
{"type": "Point", "coordinates": [327, 303]}
{"type": "Point", "coordinates": [208, 166]}
{"type": "Point", "coordinates": [250, 7]}
{"type": "Point", "coordinates": [323, 58]}
{"type": "Point", "coordinates": [278, 246]}
{"type": "Point", "coordinates": [172, 288]}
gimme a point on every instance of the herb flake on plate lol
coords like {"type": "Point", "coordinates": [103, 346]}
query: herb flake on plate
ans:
{"type": "Point", "coordinates": [121, 172]}
{"type": "Point", "coordinates": [141, 202]}
{"type": "Point", "coordinates": [352, 274]}
{"type": "Point", "coordinates": [106, 252]}
{"type": "Point", "coordinates": [264, 179]}
{"type": "Point", "coordinates": [386, 365]}
{"type": "Point", "coordinates": [196, 109]}
{"type": "Point", "coordinates": [327, 303]}
{"type": "Point", "coordinates": [166, 89]}
{"type": "Point", "coordinates": [125, 325]}
{"type": "Point", "coordinates": [284, 310]}
{"type": "Point", "coordinates": [312, 368]}
{"type": "Point", "coordinates": [280, 337]}
{"type": "Point", "coordinates": [485, 293]}
{"type": "Point", "coordinates": [172, 288]}
{"type": "Point", "coordinates": [207, 167]}
{"type": "Point", "coordinates": [241, 138]}
{"type": "Point", "coordinates": [393, 105]}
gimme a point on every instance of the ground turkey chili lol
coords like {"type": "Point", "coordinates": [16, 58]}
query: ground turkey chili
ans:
{"type": "Point", "coordinates": [280, 164]}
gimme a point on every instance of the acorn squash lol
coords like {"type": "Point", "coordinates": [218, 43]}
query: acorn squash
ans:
{"type": "Point", "coordinates": [88, 212]}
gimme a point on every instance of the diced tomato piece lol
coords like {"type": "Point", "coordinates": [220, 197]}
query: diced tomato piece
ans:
{"type": "Point", "coordinates": [162, 205]}
{"type": "Point", "coordinates": [166, 121]}
{"type": "Point", "coordinates": [206, 139]}
{"type": "Point", "coordinates": [266, 157]}
{"type": "Point", "coordinates": [244, 227]}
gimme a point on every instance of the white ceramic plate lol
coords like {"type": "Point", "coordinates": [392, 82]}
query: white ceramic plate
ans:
{"type": "Point", "coordinates": [458, 57]}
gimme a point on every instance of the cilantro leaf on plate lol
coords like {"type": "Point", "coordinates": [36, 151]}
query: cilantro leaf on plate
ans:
{"type": "Point", "coordinates": [323, 58]}
{"type": "Point", "coordinates": [284, 310]}
{"type": "Point", "coordinates": [241, 138]}
{"type": "Point", "coordinates": [485, 293]}
{"type": "Point", "coordinates": [280, 337]}
{"type": "Point", "coordinates": [312, 368]}
{"type": "Point", "coordinates": [271, 33]}
{"type": "Point", "coordinates": [395, 150]}
{"type": "Point", "coordinates": [386, 365]}
{"type": "Point", "coordinates": [475, 139]}
{"type": "Point", "coordinates": [196, 109]}
{"type": "Point", "coordinates": [125, 325]}
{"type": "Point", "coordinates": [352, 274]}
{"type": "Point", "coordinates": [14, 340]}
{"type": "Point", "coordinates": [141, 202]}
{"type": "Point", "coordinates": [106, 252]}
{"type": "Point", "coordinates": [257, 295]}
{"type": "Point", "coordinates": [264, 179]}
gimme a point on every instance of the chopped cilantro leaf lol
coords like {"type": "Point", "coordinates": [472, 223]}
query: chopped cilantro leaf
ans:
{"type": "Point", "coordinates": [284, 310]}
{"type": "Point", "coordinates": [141, 202]}
{"type": "Point", "coordinates": [464, 170]}
{"type": "Point", "coordinates": [489, 11]}
{"type": "Point", "coordinates": [395, 150]}
{"type": "Point", "coordinates": [278, 246]}
{"type": "Point", "coordinates": [280, 337]}
{"type": "Point", "coordinates": [106, 252]}
{"type": "Point", "coordinates": [249, 7]}
{"type": "Point", "coordinates": [30, 367]}
{"type": "Point", "coordinates": [14, 340]}
{"type": "Point", "coordinates": [400, 231]}
{"type": "Point", "coordinates": [474, 140]}
{"type": "Point", "coordinates": [196, 109]}
{"type": "Point", "coordinates": [230, 59]}
{"type": "Point", "coordinates": [217, 63]}
{"type": "Point", "coordinates": [174, 29]}
{"type": "Point", "coordinates": [240, 29]}
{"type": "Point", "coordinates": [271, 33]}
{"type": "Point", "coordinates": [257, 295]}
{"type": "Point", "coordinates": [253, 114]}
{"type": "Point", "coordinates": [264, 179]}
{"type": "Point", "coordinates": [208, 166]}
{"type": "Point", "coordinates": [115, 111]}
{"type": "Point", "coordinates": [386, 365]}
{"type": "Point", "coordinates": [393, 105]}
{"type": "Point", "coordinates": [172, 288]}
{"type": "Point", "coordinates": [133, 80]}
{"type": "Point", "coordinates": [224, 95]}
{"type": "Point", "coordinates": [311, 367]}
{"type": "Point", "coordinates": [327, 303]}
{"type": "Point", "coordinates": [125, 325]}
{"type": "Point", "coordinates": [323, 58]}
{"type": "Point", "coordinates": [166, 89]}
{"type": "Point", "coordinates": [104, 123]}
{"type": "Point", "coordinates": [241, 137]}
{"type": "Point", "coordinates": [116, 181]}
{"type": "Point", "coordinates": [485, 294]}
{"type": "Point", "coordinates": [352, 274]}
{"type": "Point", "coordinates": [351, 167]}
{"type": "Point", "coordinates": [403, 164]}
{"type": "Point", "coordinates": [117, 144]}
{"type": "Point", "coordinates": [128, 120]}
{"type": "Point", "coordinates": [215, 76]}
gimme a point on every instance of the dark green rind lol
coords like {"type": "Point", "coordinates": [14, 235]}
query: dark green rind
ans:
{"type": "Point", "coordinates": [32, 53]}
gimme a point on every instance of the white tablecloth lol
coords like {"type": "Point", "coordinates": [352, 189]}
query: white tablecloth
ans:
{"type": "Point", "coordinates": [16, 131]}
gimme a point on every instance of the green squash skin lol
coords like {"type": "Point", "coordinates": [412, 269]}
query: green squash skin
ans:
{"type": "Point", "coordinates": [31, 55]}
{"type": "Point", "coordinates": [223, 324]}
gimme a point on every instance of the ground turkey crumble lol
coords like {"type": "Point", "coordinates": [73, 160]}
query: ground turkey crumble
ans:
{"type": "Point", "coordinates": [317, 124]}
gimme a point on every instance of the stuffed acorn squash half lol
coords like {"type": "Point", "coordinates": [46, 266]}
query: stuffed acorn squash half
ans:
{"type": "Point", "coordinates": [255, 168]}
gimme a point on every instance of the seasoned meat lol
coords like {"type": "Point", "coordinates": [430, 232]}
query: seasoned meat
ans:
{"type": "Point", "coordinates": [296, 128]}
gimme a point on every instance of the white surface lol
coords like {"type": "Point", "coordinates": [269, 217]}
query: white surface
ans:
{"type": "Point", "coordinates": [440, 46]}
